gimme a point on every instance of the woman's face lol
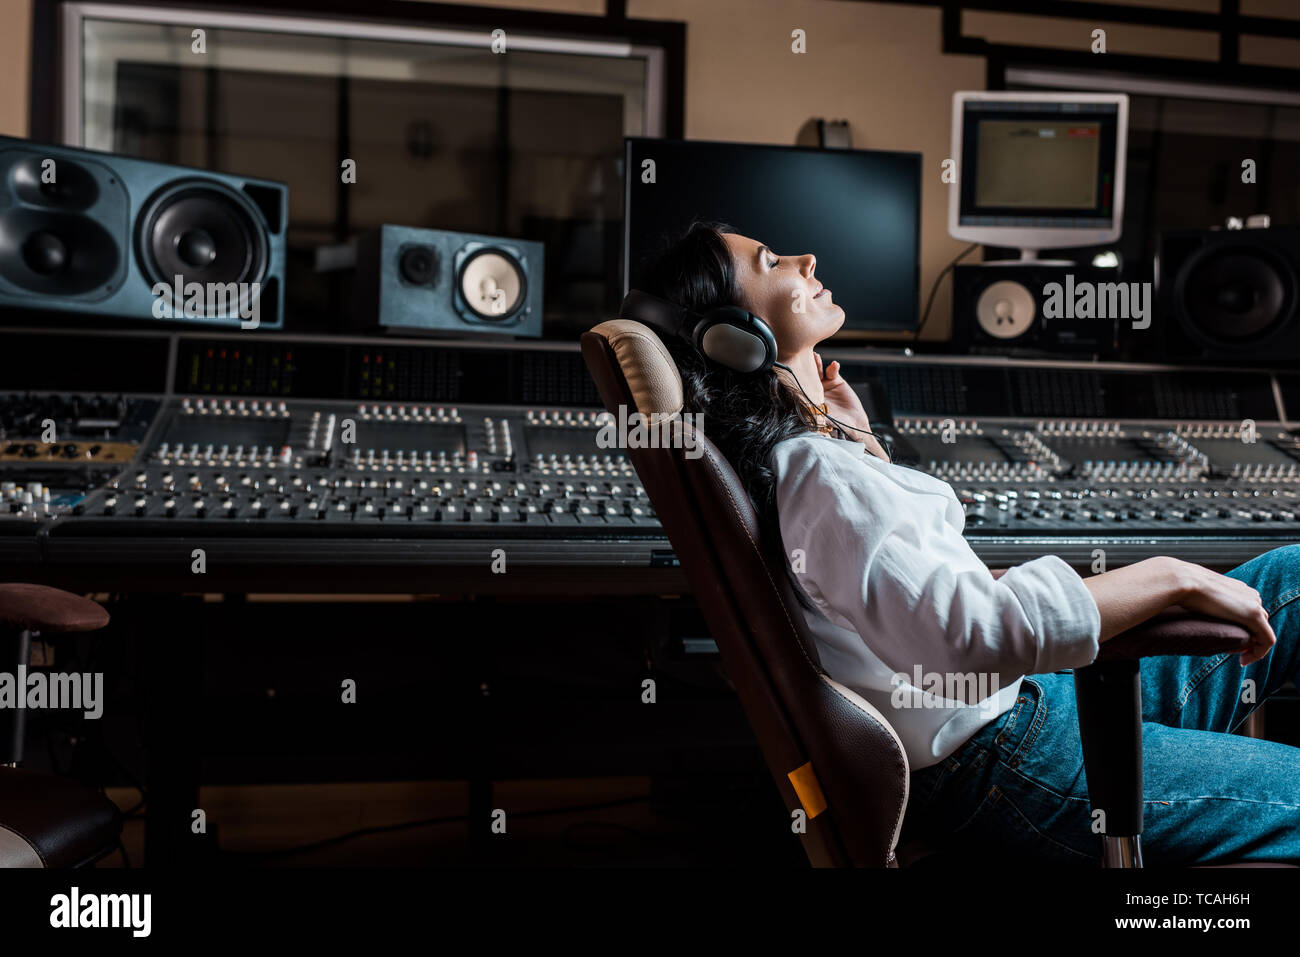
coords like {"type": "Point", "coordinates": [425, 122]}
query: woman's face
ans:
{"type": "Point", "coordinates": [782, 291]}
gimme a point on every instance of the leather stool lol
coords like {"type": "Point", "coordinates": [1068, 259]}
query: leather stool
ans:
{"type": "Point", "coordinates": [46, 821]}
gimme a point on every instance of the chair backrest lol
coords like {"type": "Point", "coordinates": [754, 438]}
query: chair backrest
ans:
{"type": "Point", "coordinates": [832, 754]}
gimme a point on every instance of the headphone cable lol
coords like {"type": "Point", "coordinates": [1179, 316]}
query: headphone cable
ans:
{"type": "Point", "coordinates": [883, 440]}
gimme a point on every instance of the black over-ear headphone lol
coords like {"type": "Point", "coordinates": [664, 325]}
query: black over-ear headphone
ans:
{"type": "Point", "coordinates": [729, 335]}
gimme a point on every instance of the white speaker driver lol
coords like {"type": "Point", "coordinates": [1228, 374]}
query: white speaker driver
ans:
{"type": "Point", "coordinates": [1005, 309]}
{"type": "Point", "coordinates": [492, 284]}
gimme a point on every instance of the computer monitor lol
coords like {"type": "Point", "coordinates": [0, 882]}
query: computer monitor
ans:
{"type": "Point", "coordinates": [1038, 170]}
{"type": "Point", "coordinates": [857, 211]}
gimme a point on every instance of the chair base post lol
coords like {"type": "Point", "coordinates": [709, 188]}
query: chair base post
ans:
{"type": "Point", "coordinates": [1253, 726]}
{"type": "Point", "coordinates": [1108, 696]}
{"type": "Point", "coordinates": [1121, 851]}
{"type": "Point", "coordinates": [18, 651]}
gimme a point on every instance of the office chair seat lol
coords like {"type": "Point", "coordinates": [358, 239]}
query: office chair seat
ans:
{"type": "Point", "coordinates": [49, 821]}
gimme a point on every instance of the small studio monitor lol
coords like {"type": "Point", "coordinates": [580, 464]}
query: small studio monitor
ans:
{"type": "Point", "coordinates": [428, 280]}
{"type": "Point", "coordinates": [1029, 309]}
{"type": "Point", "coordinates": [94, 233]}
{"type": "Point", "coordinates": [1229, 294]}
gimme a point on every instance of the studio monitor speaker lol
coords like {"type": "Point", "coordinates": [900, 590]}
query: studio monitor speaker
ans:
{"type": "Point", "coordinates": [1229, 295]}
{"type": "Point", "coordinates": [89, 232]}
{"type": "Point", "coordinates": [1003, 309]}
{"type": "Point", "coordinates": [427, 280]}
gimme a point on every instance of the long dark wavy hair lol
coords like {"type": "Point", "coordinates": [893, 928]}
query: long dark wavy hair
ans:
{"type": "Point", "coordinates": [744, 414]}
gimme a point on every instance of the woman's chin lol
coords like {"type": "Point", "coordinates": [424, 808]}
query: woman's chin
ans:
{"type": "Point", "coordinates": [828, 323]}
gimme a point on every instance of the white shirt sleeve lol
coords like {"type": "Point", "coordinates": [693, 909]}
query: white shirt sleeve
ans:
{"type": "Point", "coordinates": [883, 560]}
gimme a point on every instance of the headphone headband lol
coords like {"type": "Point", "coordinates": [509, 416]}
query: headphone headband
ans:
{"type": "Point", "coordinates": [660, 314]}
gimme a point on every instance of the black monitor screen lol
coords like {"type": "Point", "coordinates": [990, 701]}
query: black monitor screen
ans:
{"type": "Point", "coordinates": [857, 211]}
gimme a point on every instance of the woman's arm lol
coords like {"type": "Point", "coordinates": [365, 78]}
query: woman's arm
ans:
{"type": "Point", "coordinates": [886, 561]}
{"type": "Point", "coordinates": [1128, 596]}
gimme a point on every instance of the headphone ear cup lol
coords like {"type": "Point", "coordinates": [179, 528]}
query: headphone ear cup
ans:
{"type": "Point", "coordinates": [765, 333]}
{"type": "Point", "coordinates": [737, 339]}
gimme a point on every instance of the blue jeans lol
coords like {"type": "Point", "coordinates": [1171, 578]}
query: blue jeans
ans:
{"type": "Point", "coordinates": [1017, 787]}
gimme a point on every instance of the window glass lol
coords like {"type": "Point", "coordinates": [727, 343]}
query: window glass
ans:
{"type": "Point", "coordinates": [444, 135]}
{"type": "Point", "coordinates": [1185, 165]}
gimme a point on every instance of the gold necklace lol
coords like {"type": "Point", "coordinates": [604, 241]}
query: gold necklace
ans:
{"type": "Point", "coordinates": [827, 428]}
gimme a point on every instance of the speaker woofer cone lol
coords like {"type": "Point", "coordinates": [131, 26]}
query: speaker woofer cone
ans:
{"type": "Point", "coordinates": [1005, 309]}
{"type": "Point", "coordinates": [1234, 295]}
{"type": "Point", "coordinates": [203, 232]}
{"type": "Point", "coordinates": [493, 284]}
{"type": "Point", "coordinates": [56, 253]}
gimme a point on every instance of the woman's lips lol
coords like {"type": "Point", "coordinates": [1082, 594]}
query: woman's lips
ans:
{"type": "Point", "coordinates": [820, 291]}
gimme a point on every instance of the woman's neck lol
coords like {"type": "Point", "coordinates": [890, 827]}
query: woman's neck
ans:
{"type": "Point", "coordinates": [804, 366]}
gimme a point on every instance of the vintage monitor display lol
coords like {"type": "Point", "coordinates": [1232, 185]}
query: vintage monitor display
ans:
{"type": "Point", "coordinates": [1038, 170]}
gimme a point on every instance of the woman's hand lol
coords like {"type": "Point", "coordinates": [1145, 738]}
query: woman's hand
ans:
{"type": "Point", "coordinates": [1128, 596]}
{"type": "Point", "coordinates": [841, 401]}
{"type": "Point", "coordinates": [1219, 596]}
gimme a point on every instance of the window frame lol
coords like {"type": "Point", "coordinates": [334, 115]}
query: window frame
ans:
{"type": "Point", "coordinates": [56, 35]}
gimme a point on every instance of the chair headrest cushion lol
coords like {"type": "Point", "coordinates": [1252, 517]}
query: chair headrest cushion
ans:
{"type": "Point", "coordinates": [651, 373]}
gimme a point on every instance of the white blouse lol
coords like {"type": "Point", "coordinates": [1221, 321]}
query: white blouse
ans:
{"type": "Point", "coordinates": [911, 618]}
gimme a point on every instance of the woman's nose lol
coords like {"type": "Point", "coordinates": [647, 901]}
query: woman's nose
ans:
{"type": "Point", "coordinates": [809, 264]}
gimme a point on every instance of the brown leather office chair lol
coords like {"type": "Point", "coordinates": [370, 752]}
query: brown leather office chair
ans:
{"type": "Point", "coordinates": [833, 755]}
{"type": "Point", "coordinates": [45, 820]}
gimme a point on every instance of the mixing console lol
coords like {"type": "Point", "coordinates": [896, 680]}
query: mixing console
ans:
{"type": "Point", "coordinates": [318, 467]}
{"type": "Point", "coordinates": [393, 470]}
{"type": "Point", "coordinates": [56, 449]}
{"type": "Point", "coordinates": [1068, 477]}
{"type": "Point", "coordinates": [435, 478]}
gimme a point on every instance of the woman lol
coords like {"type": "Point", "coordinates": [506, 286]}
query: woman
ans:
{"type": "Point", "coordinates": [892, 589]}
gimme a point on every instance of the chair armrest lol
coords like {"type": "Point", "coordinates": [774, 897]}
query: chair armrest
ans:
{"type": "Point", "coordinates": [1176, 631]}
